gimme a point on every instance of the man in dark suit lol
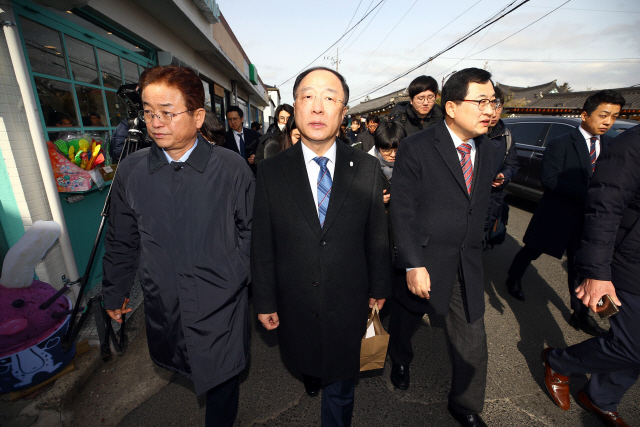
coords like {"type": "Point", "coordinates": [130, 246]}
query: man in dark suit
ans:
{"type": "Point", "coordinates": [321, 247]}
{"type": "Point", "coordinates": [556, 225]}
{"type": "Point", "coordinates": [240, 139]}
{"type": "Point", "coordinates": [442, 181]}
{"type": "Point", "coordinates": [609, 260]}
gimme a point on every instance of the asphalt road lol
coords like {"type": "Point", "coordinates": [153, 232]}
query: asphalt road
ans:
{"type": "Point", "coordinates": [270, 395]}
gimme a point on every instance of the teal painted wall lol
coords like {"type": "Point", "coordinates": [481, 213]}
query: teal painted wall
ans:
{"type": "Point", "coordinates": [10, 219]}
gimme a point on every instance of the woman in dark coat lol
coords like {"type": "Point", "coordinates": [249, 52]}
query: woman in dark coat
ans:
{"type": "Point", "coordinates": [287, 138]}
{"type": "Point", "coordinates": [282, 117]}
{"type": "Point", "coordinates": [180, 217]}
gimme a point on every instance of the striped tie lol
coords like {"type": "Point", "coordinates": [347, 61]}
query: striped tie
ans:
{"type": "Point", "coordinates": [465, 161]}
{"type": "Point", "coordinates": [592, 153]}
{"type": "Point", "coordinates": [324, 188]}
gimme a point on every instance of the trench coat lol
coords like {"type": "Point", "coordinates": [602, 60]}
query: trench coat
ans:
{"type": "Point", "coordinates": [319, 280]}
{"type": "Point", "coordinates": [186, 230]}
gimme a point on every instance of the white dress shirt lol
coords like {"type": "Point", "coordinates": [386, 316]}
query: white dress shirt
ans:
{"type": "Point", "coordinates": [237, 137]}
{"type": "Point", "coordinates": [588, 137]}
{"type": "Point", "coordinates": [184, 157]}
{"type": "Point", "coordinates": [313, 168]}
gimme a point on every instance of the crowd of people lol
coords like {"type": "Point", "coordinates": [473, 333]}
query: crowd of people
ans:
{"type": "Point", "coordinates": [326, 219]}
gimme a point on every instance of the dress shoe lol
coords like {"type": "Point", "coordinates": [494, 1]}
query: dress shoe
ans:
{"type": "Point", "coordinates": [586, 324]}
{"type": "Point", "coordinates": [557, 385]}
{"type": "Point", "coordinates": [400, 376]}
{"type": "Point", "coordinates": [515, 288]}
{"type": "Point", "coordinates": [311, 385]}
{"type": "Point", "coordinates": [465, 420]}
{"type": "Point", "coordinates": [609, 418]}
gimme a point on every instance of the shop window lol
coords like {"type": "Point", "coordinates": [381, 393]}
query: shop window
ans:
{"type": "Point", "coordinates": [56, 100]}
{"type": "Point", "coordinates": [110, 68]}
{"type": "Point", "coordinates": [131, 74]}
{"type": "Point", "coordinates": [91, 103]}
{"type": "Point", "coordinates": [83, 61]}
{"type": "Point", "coordinates": [44, 48]}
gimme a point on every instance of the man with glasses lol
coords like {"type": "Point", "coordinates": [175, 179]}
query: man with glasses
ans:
{"type": "Point", "coordinates": [421, 112]}
{"type": "Point", "coordinates": [366, 137]}
{"type": "Point", "coordinates": [441, 185]}
{"type": "Point", "coordinates": [240, 139]}
{"type": "Point", "coordinates": [320, 249]}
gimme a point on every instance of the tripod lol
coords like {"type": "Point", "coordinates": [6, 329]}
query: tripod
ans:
{"type": "Point", "coordinates": [103, 321]}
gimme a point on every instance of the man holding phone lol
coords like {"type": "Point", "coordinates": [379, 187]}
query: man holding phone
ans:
{"type": "Point", "coordinates": [609, 260]}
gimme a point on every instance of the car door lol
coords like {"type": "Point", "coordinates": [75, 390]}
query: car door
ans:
{"type": "Point", "coordinates": [535, 165]}
{"type": "Point", "coordinates": [529, 139]}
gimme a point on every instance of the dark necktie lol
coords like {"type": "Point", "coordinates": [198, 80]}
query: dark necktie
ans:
{"type": "Point", "coordinates": [243, 153]}
{"type": "Point", "coordinates": [465, 162]}
{"type": "Point", "coordinates": [324, 188]}
{"type": "Point", "coordinates": [592, 153]}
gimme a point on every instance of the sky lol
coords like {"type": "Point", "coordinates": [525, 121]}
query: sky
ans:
{"type": "Point", "coordinates": [590, 44]}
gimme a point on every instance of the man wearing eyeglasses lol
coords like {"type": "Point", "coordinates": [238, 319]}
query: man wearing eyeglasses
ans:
{"type": "Point", "coordinates": [421, 112]}
{"type": "Point", "coordinates": [240, 139]}
{"type": "Point", "coordinates": [320, 247]}
{"type": "Point", "coordinates": [442, 181]}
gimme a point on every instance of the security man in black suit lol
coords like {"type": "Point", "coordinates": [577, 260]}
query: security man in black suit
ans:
{"type": "Point", "coordinates": [241, 139]}
{"type": "Point", "coordinates": [442, 181]}
{"type": "Point", "coordinates": [556, 225]}
{"type": "Point", "coordinates": [609, 260]}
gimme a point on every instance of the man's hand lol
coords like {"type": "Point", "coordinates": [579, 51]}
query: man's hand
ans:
{"type": "Point", "coordinates": [380, 302]}
{"type": "Point", "coordinates": [419, 282]}
{"type": "Point", "coordinates": [591, 290]}
{"type": "Point", "coordinates": [117, 314]}
{"type": "Point", "coordinates": [269, 321]}
{"type": "Point", "coordinates": [251, 159]}
{"type": "Point", "coordinates": [386, 196]}
{"type": "Point", "coordinates": [498, 180]}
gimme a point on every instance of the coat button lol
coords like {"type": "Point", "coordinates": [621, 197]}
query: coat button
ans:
{"type": "Point", "coordinates": [322, 243]}
{"type": "Point", "coordinates": [316, 284]}
{"type": "Point", "coordinates": [462, 248]}
{"type": "Point", "coordinates": [176, 168]}
{"type": "Point", "coordinates": [470, 211]}
{"type": "Point", "coordinates": [315, 314]}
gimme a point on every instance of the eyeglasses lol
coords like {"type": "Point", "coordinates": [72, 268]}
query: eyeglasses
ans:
{"type": "Point", "coordinates": [306, 99]}
{"type": "Point", "coordinates": [283, 119]}
{"type": "Point", "coordinates": [165, 117]}
{"type": "Point", "coordinates": [389, 151]}
{"type": "Point", "coordinates": [482, 103]}
{"type": "Point", "coordinates": [421, 99]}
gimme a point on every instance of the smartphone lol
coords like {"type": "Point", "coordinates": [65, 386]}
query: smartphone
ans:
{"type": "Point", "coordinates": [606, 307]}
{"type": "Point", "coordinates": [498, 179]}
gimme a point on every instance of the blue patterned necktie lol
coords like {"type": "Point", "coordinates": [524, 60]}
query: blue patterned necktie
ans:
{"type": "Point", "coordinates": [324, 188]}
{"type": "Point", "coordinates": [465, 162]}
{"type": "Point", "coordinates": [592, 153]}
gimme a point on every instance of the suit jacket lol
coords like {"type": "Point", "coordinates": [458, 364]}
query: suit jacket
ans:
{"type": "Point", "coordinates": [319, 280]}
{"type": "Point", "coordinates": [250, 137]}
{"type": "Point", "coordinates": [436, 223]}
{"type": "Point", "coordinates": [565, 176]}
{"type": "Point", "coordinates": [610, 247]}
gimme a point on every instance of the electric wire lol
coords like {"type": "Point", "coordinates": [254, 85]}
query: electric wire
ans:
{"type": "Point", "coordinates": [365, 28]}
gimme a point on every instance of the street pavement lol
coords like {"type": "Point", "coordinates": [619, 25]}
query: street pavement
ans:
{"type": "Point", "coordinates": [271, 395]}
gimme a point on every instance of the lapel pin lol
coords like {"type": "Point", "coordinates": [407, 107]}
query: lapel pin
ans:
{"type": "Point", "coordinates": [351, 164]}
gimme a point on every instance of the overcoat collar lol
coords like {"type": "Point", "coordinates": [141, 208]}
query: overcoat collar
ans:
{"type": "Point", "coordinates": [445, 146]}
{"type": "Point", "coordinates": [295, 171]}
{"type": "Point", "coordinates": [197, 160]}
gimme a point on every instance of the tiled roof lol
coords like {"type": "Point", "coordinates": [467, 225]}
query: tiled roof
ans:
{"type": "Point", "coordinates": [529, 94]}
{"type": "Point", "coordinates": [382, 103]}
{"type": "Point", "coordinates": [576, 99]}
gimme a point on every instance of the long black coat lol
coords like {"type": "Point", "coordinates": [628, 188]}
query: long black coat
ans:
{"type": "Point", "coordinates": [251, 138]}
{"type": "Point", "coordinates": [436, 223]}
{"type": "Point", "coordinates": [565, 175]}
{"type": "Point", "coordinates": [610, 247]}
{"type": "Point", "coordinates": [319, 280]}
{"type": "Point", "coordinates": [187, 233]}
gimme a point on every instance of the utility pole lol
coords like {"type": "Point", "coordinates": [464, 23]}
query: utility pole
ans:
{"type": "Point", "coordinates": [334, 60]}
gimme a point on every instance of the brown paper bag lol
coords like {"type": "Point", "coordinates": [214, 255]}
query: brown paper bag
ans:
{"type": "Point", "coordinates": [373, 350]}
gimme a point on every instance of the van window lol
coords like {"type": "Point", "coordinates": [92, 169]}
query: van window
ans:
{"type": "Point", "coordinates": [528, 133]}
{"type": "Point", "coordinates": [557, 130]}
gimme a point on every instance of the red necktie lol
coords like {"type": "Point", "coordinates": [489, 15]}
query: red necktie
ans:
{"type": "Point", "coordinates": [592, 153]}
{"type": "Point", "coordinates": [465, 162]}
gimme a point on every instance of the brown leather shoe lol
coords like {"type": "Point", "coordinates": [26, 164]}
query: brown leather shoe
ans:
{"type": "Point", "coordinates": [609, 418]}
{"type": "Point", "coordinates": [557, 385]}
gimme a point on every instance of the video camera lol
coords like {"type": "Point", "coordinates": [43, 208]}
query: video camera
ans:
{"type": "Point", "coordinates": [137, 136]}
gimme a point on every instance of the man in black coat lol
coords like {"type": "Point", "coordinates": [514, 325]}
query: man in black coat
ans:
{"type": "Point", "coordinates": [556, 225]}
{"type": "Point", "coordinates": [441, 184]}
{"type": "Point", "coordinates": [320, 249]}
{"type": "Point", "coordinates": [421, 112]}
{"type": "Point", "coordinates": [242, 140]}
{"type": "Point", "coordinates": [609, 260]}
{"type": "Point", "coordinates": [180, 216]}
{"type": "Point", "coordinates": [366, 136]}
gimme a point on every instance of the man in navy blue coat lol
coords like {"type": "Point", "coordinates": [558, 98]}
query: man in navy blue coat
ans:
{"type": "Point", "coordinates": [240, 139]}
{"type": "Point", "coordinates": [556, 225]}
{"type": "Point", "coordinates": [609, 260]}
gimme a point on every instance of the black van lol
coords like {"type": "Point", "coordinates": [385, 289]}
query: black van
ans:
{"type": "Point", "coordinates": [531, 135]}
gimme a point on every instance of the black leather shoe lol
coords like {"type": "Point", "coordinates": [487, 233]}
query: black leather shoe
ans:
{"type": "Point", "coordinates": [400, 376]}
{"type": "Point", "coordinates": [466, 420]}
{"type": "Point", "coordinates": [311, 385]}
{"type": "Point", "coordinates": [515, 288]}
{"type": "Point", "coordinates": [586, 324]}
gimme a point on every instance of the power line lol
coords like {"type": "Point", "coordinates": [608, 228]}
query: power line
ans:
{"type": "Point", "coordinates": [365, 28]}
{"type": "Point", "coordinates": [351, 35]}
{"type": "Point", "coordinates": [351, 20]}
{"type": "Point", "coordinates": [474, 46]}
{"type": "Point", "coordinates": [496, 17]}
{"type": "Point", "coordinates": [421, 43]}
{"type": "Point", "coordinates": [336, 42]}
{"type": "Point", "coordinates": [579, 61]}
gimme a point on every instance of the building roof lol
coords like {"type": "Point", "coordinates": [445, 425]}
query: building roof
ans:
{"type": "Point", "coordinates": [382, 103]}
{"type": "Point", "coordinates": [576, 99]}
{"type": "Point", "coordinates": [528, 94]}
